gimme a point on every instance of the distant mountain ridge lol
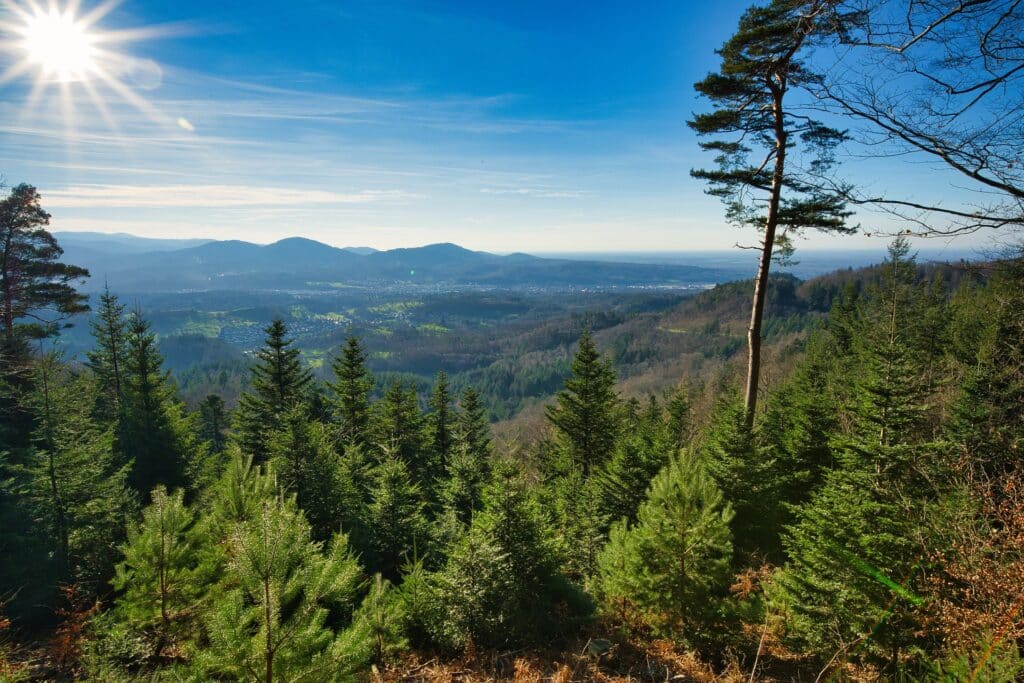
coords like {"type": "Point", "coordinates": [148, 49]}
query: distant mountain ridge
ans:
{"type": "Point", "coordinates": [298, 263]}
{"type": "Point", "coordinates": [123, 242]}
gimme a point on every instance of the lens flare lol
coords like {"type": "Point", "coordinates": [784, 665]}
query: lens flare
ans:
{"type": "Point", "coordinates": [61, 50]}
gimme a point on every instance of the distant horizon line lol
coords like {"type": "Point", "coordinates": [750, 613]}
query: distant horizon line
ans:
{"type": "Point", "coordinates": [959, 252]}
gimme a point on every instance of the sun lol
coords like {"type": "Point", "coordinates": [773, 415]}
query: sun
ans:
{"type": "Point", "coordinates": [61, 47]}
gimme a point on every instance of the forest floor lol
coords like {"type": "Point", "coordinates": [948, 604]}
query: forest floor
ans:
{"type": "Point", "coordinates": [622, 661]}
{"type": "Point", "coordinates": [656, 660]}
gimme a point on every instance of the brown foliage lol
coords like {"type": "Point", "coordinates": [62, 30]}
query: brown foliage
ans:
{"type": "Point", "coordinates": [641, 660]}
{"type": "Point", "coordinates": [9, 669]}
{"type": "Point", "coordinates": [979, 588]}
{"type": "Point", "coordinates": [66, 644]}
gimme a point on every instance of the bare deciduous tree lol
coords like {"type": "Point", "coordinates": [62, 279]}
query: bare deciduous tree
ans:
{"type": "Point", "coordinates": [938, 81]}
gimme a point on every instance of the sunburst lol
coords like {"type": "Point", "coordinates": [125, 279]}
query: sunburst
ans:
{"type": "Point", "coordinates": [59, 48]}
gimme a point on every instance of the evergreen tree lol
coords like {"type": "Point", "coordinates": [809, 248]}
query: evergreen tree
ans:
{"type": "Point", "coordinates": [382, 612]}
{"type": "Point", "coordinates": [308, 467]}
{"type": "Point", "coordinates": [241, 489]}
{"type": "Point", "coordinates": [279, 383]}
{"type": "Point", "coordinates": [213, 423]}
{"type": "Point", "coordinates": [773, 160]}
{"type": "Point", "coordinates": [502, 585]}
{"type": "Point", "coordinates": [107, 359]}
{"type": "Point", "coordinates": [988, 414]}
{"type": "Point", "coordinates": [157, 578]}
{"type": "Point", "coordinates": [671, 567]}
{"type": "Point", "coordinates": [462, 491]}
{"type": "Point", "coordinates": [890, 394]}
{"type": "Point", "coordinates": [585, 411]}
{"type": "Point", "coordinates": [889, 398]}
{"type": "Point", "coordinates": [932, 336]}
{"type": "Point", "coordinates": [440, 421]}
{"type": "Point", "coordinates": [680, 417]}
{"type": "Point", "coordinates": [420, 605]}
{"type": "Point", "coordinates": [472, 430]}
{"type": "Point", "coordinates": [396, 518]}
{"type": "Point", "coordinates": [747, 477]}
{"type": "Point", "coordinates": [352, 386]}
{"type": "Point", "coordinates": [640, 453]}
{"type": "Point", "coordinates": [237, 495]}
{"type": "Point", "coordinates": [856, 548]}
{"type": "Point", "coordinates": [398, 430]}
{"type": "Point", "coordinates": [36, 288]}
{"type": "Point", "coordinates": [152, 433]}
{"type": "Point", "coordinates": [79, 496]}
{"type": "Point", "coordinates": [842, 318]}
{"type": "Point", "coordinates": [473, 589]}
{"type": "Point", "coordinates": [469, 468]}
{"type": "Point", "coordinates": [269, 617]}
{"type": "Point", "coordinates": [799, 422]}
{"type": "Point", "coordinates": [855, 556]}
{"type": "Point", "coordinates": [580, 519]}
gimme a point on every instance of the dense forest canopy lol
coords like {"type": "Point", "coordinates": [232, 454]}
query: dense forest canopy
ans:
{"type": "Point", "coordinates": [854, 510]}
{"type": "Point", "coordinates": [869, 521]}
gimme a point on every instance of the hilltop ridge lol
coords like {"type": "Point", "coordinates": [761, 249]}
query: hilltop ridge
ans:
{"type": "Point", "coordinates": [301, 263]}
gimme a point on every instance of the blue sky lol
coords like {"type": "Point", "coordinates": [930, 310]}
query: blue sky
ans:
{"type": "Point", "coordinates": [532, 126]}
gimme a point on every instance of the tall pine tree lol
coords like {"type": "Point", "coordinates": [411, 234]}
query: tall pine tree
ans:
{"type": "Point", "coordinates": [395, 518]}
{"type": "Point", "coordinates": [78, 493]}
{"type": "Point", "coordinates": [398, 431]}
{"type": "Point", "coordinates": [279, 382]}
{"type": "Point", "coordinates": [352, 386]}
{"type": "Point", "coordinates": [440, 421]}
{"type": "Point", "coordinates": [585, 412]}
{"type": "Point", "coordinates": [152, 433]}
{"type": "Point", "coordinates": [108, 358]}
{"type": "Point", "coordinates": [773, 161]}
{"type": "Point", "coordinates": [37, 290]}
{"type": "Point", "coordinates": [310, 469]}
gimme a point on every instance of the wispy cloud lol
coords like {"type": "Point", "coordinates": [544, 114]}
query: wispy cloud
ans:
{"type": "Point", "coordinates": [543, 193]}
{"type": "Point", "coordinates": [207, 196]}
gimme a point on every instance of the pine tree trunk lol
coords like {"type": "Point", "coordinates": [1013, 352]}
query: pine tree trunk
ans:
{"type": "Point", "coordinates": [269, 643]}
{"type": "Point", "coordinates": [761, 283]}
{"type": "Point", "coordinates": [165, 618]}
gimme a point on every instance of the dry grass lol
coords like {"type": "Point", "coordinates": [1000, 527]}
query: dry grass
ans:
{"type": "Point", "coordinates": [659, 660]}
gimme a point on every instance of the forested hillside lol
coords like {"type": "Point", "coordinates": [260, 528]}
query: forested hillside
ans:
{"type": "Point", "coordinates": [297, 463]}
{"type": "Point", "coordinates": [869, 524]}
{"type": "Point", "coordinates": [513, 348]}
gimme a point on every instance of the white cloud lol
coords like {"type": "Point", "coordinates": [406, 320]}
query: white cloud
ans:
{"type": "Point", "coordinates": [536, 192]}
{"type": "Point", "coordinates": [205, 196]}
